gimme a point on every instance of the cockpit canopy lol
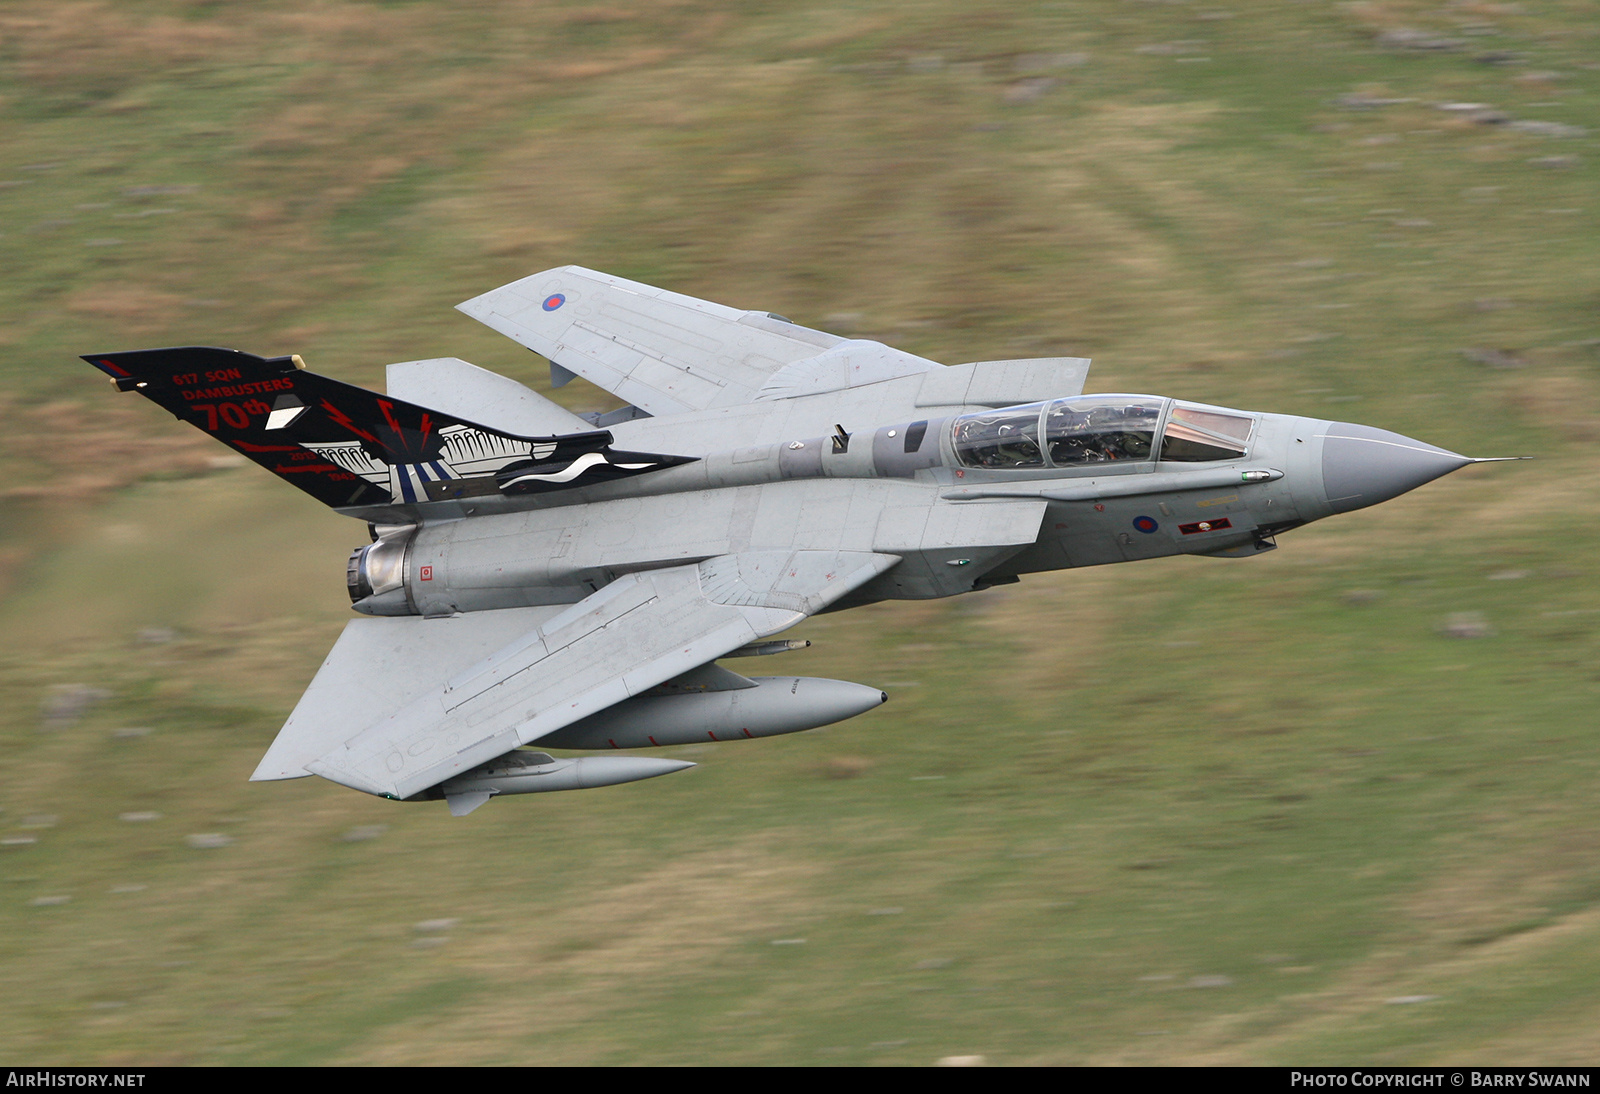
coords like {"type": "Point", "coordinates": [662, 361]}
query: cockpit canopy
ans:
{"type": "Point", "coordinates": [1094, 429]}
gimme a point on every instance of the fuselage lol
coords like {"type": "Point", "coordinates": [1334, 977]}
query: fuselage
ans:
{"type": "Point", "coordinates": [965, 499]}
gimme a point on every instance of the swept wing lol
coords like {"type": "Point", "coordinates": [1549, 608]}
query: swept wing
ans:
{"type": "Point", "coordinates": [640, 630]}
{"type": "Point", "coordinates": [667, 353]}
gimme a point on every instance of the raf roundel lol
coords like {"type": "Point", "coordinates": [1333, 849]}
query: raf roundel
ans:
{"type": "Point", "coordinates": [554, 301]}
{"type": "Point", "coordinates": [1145, 524]}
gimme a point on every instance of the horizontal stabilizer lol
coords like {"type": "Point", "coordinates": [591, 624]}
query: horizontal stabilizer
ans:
{"type": "Point", "coordinates": [477, 395]}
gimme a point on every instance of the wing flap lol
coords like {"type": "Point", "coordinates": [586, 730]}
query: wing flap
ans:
{"type": "Point", "coordinates": [639, 631]}
{"type": "Point", "coordinates": [475, 394]}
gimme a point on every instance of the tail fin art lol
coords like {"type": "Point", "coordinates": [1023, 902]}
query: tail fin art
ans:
{"type": "Point", "coordinates": [353, 448]}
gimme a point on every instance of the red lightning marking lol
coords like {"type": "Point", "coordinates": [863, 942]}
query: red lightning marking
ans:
{"type": "Point", "coordinates": [344, 419]}
{"type": "Point", "coordinates": [246, 446]}
{"type": "Point", "coordinates": [427, 427]}
{"type": "Point", "coordinates": [281, 470]}
{"type": "Point", "coordinates": [386, 407]}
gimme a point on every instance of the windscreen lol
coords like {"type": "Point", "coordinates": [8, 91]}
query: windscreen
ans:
{"type": "Point", "coordinates": [1195, 436]}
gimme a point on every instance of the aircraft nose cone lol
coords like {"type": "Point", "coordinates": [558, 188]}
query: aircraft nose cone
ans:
{"type": "Point", "coordinates": [1362, 466]}
{"type": "Point", "coordinates": [836, 700]}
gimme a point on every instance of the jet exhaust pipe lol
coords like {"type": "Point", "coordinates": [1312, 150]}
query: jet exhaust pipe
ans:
{"type": "Point", "coordinates": [538, 772]}
{"type": "Point", "coordinates": [772, 706]}
{"type": "Point", "coordinates": [376, 574]}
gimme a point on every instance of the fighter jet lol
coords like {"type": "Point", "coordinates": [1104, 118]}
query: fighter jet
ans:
{"type": "Point", "coordinates": [537, 577]}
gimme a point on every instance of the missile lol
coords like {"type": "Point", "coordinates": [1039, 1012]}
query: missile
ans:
{"type": "Point", "coordinates": [760, 706]}
{"type": "Point", "coordinates": [520, 772]}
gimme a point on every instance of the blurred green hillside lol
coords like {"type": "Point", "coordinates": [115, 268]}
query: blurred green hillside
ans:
{"type": "Point", "coordinates": [1334, 805]}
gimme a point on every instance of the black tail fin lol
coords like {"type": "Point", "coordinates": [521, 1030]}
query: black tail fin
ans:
{"type": "Point", "coordinates": [344, 445]}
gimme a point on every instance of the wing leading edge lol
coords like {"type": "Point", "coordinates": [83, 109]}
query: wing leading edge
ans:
{"type": "Point", "coordinates": [640, 630]}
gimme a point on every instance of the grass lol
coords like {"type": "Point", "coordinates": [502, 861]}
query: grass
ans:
{"type": "Point", "coordinates": [1189, 811]}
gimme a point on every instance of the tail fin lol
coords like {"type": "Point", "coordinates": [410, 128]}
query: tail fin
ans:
{"type": "Point", "coordinates": [344, 445]}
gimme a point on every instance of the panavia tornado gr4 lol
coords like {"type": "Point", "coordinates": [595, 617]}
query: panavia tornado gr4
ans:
{"type": "Point", "coordinates": [540, 578]}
